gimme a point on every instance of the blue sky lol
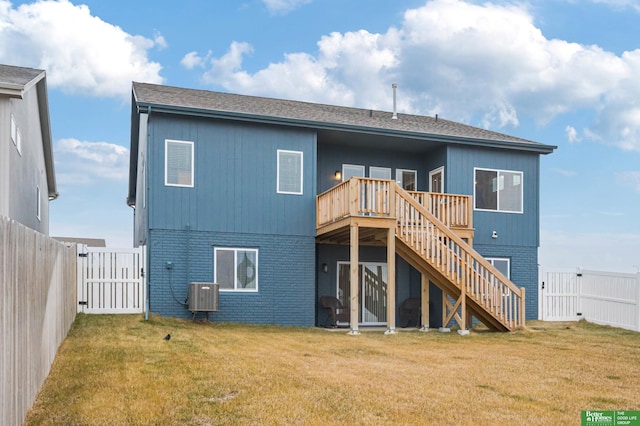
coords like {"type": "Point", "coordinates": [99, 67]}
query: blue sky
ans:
{"type": "Point", "coordinates": [560, 72]}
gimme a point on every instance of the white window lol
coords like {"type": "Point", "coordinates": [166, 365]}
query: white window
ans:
{"type": "Point", "coordinates": [19, 141]}
{"type": "Point", "coordinates": [38, 203]}
{"type": "Point", "coordinates": [501, 264]}
{"type": "Point", "coordinates": [178, 163]}
{"type": "Point", "coordinates": [14, 130]}
{"type": "Point", "coordinates": [289, 172]}
{"type": "Point", "coordinates": [498, 190]}
{"type": "Point", "coordinates": [379, 172]}
{"type": "Point", "coordinates": [436, 180]}
{"type": "Point", "coordinates": [407, 179]}
{"type": "Point", "coordinates": [350, 170]}
{"type": "Point", "coordinates": [236, 269]}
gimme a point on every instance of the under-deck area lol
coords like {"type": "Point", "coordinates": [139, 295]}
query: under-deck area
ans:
{"type": "Point", "coordinates": [434, 233]}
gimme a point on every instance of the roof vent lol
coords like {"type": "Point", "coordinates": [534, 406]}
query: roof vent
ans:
{"type": "Point", "coordinates": [395, 114]}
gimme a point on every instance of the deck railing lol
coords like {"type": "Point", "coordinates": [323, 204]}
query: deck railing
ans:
{"type": "Point", "coordinates": [453, 210]}
{"type": "Point", "coordinates": [370, 197]}
{"type": "Point", "coordinates": [458, 262]}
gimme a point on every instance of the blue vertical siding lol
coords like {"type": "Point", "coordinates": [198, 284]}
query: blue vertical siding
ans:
{"type": "Point", "coordinates": [514, 229]}
{"type": "Point", "coordinates": [235, 178]}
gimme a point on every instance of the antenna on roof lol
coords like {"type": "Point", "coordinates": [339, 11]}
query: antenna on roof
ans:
{"type": "Point", "coordinates": [395, 114]}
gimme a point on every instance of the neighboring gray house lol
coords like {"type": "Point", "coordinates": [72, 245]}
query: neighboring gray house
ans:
{"type": "Point", "coordinates": [286, 204]}
{"type": "Point", "coordinates": [27, 177]}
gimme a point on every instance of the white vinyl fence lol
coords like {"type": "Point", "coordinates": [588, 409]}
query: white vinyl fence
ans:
{"type": "Point", "coordinates": [37, 307]}
{"type": "Point", "coordinates": [605, 298]}
{"type": "Point", "coordinates": [111, 281]}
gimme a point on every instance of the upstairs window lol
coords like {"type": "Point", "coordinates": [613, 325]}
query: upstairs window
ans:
{"type": "Point", "coordinates": [350, 170]}
{"type": "Point", "coordinates": [178, 163]}
{"type": "Point", "coordinates": [407, 179]}
{"type": "Point", "coordinates": [14, 130]}
{"type": "Point", "coordinates": [16, 137]}
{"type": "Point", "coordinates": [289, 172]}
{"type": "Point", "coordinates": [498, 190]}
{"type": "Point", "coordinates": [236, 269]}
{"type": "Point", "coordinates": [38, 203]}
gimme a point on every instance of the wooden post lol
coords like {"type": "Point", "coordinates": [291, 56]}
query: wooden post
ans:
{"type": "Point", "coordinates": [354, 280]}
{"type": "Point", "coordinates": [424, 281]}
{"type": "Point", "coordinates": [522, 311]}
{"type": "Point", "coordinates": [391, 281]}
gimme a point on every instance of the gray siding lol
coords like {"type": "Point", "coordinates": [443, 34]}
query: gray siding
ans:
{"type": "Point", "coordinates": [332, 157]}
{"type": "Point", "coordinates": [235, 178]}
{"type": "Point", "coordinates": [25, 171]}
{"type": "Point", "coordinates": [514, 229]}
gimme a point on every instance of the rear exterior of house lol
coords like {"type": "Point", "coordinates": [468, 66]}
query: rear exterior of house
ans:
{"type": "Point", "coordinates": [27, 177]}
{"type": "Point", "coordinates": [234, 189]}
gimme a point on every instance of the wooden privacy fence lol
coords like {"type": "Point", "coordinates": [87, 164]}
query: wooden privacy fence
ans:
{"type": "Point", "coordinates": [37, 308]}
{"type": "Point", "coordinates": [605, 298]}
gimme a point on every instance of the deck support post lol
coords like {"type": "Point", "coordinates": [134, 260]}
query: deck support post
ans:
{"type": "Point", "coordinates": [424, 320]}
{"type": "Point", "coordinates": [353, 280]}
{"type": "Point", "coordinates": [391, 281]}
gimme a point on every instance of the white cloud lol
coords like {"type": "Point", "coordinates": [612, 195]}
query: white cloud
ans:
{"type": "Point", "coordinates": [483, 64]}
{"type": "Point", "coordinates": [572, 134]}
{"type": "Point", "coordinates": [564, 172]}
{"type": "Point", "coordinates": [193, 59]}
{"type": "Point", "coordinates": [621, 4]}
{"type": "Point", "coordinates": [284, 6]}
{"type": "Point", "coordinates": [80, 52]}
{"type": "Point", "coordinates": [82, 162]}
{"type": "Point", "coordinates": [617, 252]}
{"type": "Point", "coordinates": [629, 179]}
{"type": "Point", "coordinates": [159, 40]}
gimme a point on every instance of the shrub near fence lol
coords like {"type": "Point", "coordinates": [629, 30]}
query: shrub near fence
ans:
{"type": "Point", "coordinates": [37, 307]}
{"type": "Point", "coordinates": [606, 298]}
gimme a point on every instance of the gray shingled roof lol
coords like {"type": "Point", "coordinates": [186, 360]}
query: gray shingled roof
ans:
{"type": "Point", "coordinates": [310, 113]}
{"type": "Point", "coordinates": [17, 76]}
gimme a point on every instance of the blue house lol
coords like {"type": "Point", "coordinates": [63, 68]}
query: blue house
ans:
{"type": "Point", "coordinates": [283, 202]}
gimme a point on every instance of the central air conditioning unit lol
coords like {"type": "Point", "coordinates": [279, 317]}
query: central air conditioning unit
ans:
{"type": "Point", "coordinates": [204, 297]}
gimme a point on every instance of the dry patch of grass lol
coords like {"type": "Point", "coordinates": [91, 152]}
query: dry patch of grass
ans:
{"type": "Point", "coordinates": [119, 370]}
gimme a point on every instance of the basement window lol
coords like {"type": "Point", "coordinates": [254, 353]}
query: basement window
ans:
{"type": "Point", "coordinates": [236, 269]}
{"type": "Point", "coordinates": [498, 190]}
{"type": "Point", "coordinates": [178, 163]}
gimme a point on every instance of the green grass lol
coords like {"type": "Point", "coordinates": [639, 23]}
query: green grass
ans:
{"type": "Point", "coordinates": [118, 370]}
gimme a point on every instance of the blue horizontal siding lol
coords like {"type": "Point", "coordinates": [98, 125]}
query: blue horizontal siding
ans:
{"type": "Point", "coordinates": [524, 271]}
{"type": "Point", "coordinates": [286, 279]}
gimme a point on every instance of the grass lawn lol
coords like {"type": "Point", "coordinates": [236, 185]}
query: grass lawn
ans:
{"type": "Point", "coordinates": [119, 370]}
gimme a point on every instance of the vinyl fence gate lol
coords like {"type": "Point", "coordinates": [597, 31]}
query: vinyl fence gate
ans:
{"type": "Point", "coordinates": [606, 298]}
{"type": "Point", "coordinates": [111, 281]}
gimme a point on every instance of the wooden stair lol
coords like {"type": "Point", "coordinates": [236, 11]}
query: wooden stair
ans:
{"type": "Point", "coordinates": [471, 285]}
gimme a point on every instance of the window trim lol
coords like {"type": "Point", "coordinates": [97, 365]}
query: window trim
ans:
{"type": "Point", "coordinates": [166, 163]}
{"type": "Point", "coordinates": [14, 130]}
{"type": "Point", "coordinates": [358, 166]}
{"type": "Point", "coordinates": [492, 260]}
{"type": "Point", "coordinates": [399, 173]}
{"type": "Point", "coordinates": [278, 190]}
{"type": "Point", "coordinates": [498, 171]}
{"type": "Point", "coordinates": [435, 172]}
{"type": "Point", "coordinates": [38, 203]}
{"type": "Point", "coordinates": [235, 250]}
{"type": "Point", "coordinates": [379, 169]}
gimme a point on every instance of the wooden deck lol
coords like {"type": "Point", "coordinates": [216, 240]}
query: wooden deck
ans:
{"type": "Point", "coordinates": [434, 233]}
